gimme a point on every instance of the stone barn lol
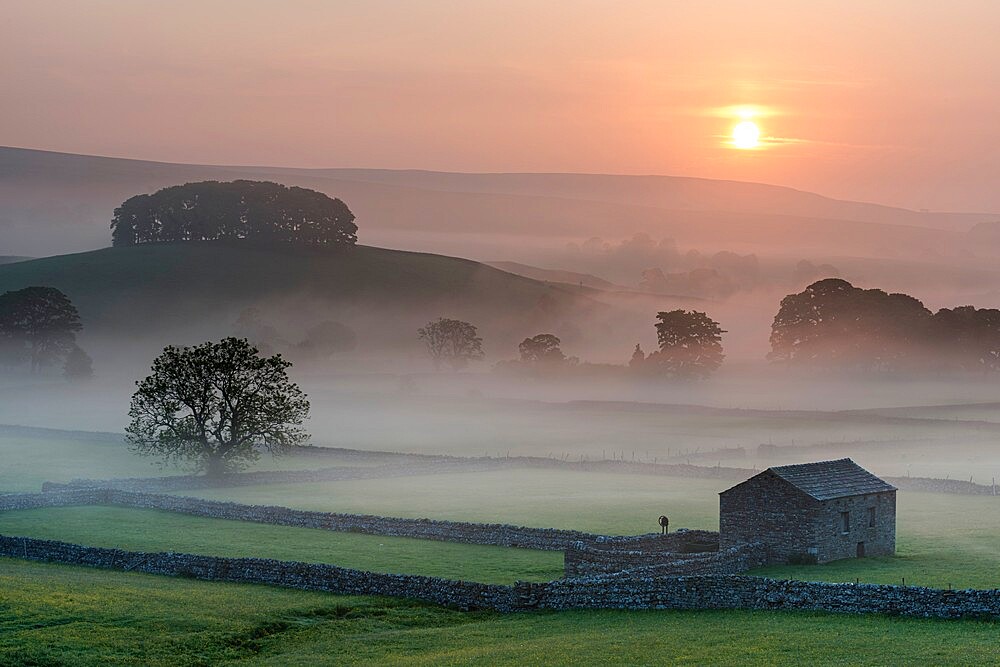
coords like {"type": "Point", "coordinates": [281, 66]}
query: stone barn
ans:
{"type": "Point", "coordinates": [824, 511]}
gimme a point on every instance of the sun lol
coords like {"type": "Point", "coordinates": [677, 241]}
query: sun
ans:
{"type": "Point", "coordinates": [746, 134]}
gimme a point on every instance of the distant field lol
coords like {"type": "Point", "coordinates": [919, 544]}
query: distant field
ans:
{"type": "Point", "coordinates": [596, 502]}
{"type": "Point", "coordinates": [942, 539]}
{"type": "Point", "coordinates": [55, 615]}
{"type": "Point", "coordinates": [27, 461]}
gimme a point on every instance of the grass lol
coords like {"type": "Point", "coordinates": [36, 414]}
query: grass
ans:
{"type": "Point", "coordinates": [150, 530]}
{"type": "Point", "coordinates": [145, 289]}
{"type": "Point", "coordinates": [597, 502]}
{"type": "Point", "coordinates": [941, 539]}
{"type": "Point", "coordinates": [28, 460]}
{"type": "Point", "coordinates": [61, 615]}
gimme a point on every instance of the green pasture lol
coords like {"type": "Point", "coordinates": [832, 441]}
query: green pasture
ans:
{"type": "Point", "coordinates": [28, 460]}
{"type": "Point", "coordinates": [151, 530]}
{"type": "Point", "coordinates": [941, 539]}
{"type": "Point", "coordinates": [62, 615]}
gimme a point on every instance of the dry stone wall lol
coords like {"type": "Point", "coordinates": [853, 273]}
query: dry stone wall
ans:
{"type": "Point", "coordinates": [628, 591]}
{"type": "Point", "coordinates": [496, 534]}
{"type": "Point", "coordinates": [582, 560]}
{"type": "Point", "coordinates": [332, 474]}
{"type": "Point", "coordinates": [291, 574]}
{"type": "Point", "coordinates": [617, 591]}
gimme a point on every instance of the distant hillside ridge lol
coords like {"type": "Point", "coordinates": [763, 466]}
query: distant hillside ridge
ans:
{"type": "Point", "coordinates": [55, 202]}
{"type": "Point", "coordinates": [188, 291]}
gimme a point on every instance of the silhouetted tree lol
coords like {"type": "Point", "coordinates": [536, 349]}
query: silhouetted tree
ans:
{"type": "Point", "coordinates": [211, 210]}
{"type": "Point", "coordinates": [967, 337]}
{"type": "Point", "coordinates": [216, 405]}
{"type": "Point", "coordinates": [638, 357]}
{"type": "Point", "coordinates": [690, 344]}
{"type": "Point", "coordinates": [832, 322]}
{"type": "Point", "coordinates": [451, 342]}
{"type": "Point", "coordinates": [38, 324]}
{"type": "Point", "coordinates": [79, 365]}
{"type": "Point", "coordinates": [543, 348]}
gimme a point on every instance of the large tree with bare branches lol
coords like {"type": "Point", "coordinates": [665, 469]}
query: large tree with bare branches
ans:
{"type": "Point", "coordinates": [217, 406]}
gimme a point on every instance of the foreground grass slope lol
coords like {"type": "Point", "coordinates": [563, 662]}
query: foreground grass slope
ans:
{"type": "Point", "coordinates": [60, 615]}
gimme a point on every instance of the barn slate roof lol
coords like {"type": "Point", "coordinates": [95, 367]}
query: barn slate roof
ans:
{"type": "Point", "coordinates": [826, 480]}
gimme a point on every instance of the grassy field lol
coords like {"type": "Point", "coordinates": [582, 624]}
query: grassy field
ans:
{"type": "Point", "coordinates": [941, 539]}
{"type": "Point", "coordinates": [597, 502]}
{"type": "Point", "coordinates": [60, 615]}
{"type": "Point", "coordinates": [150, 530]}
{"type": "Point", "coordinates": [27, 461]}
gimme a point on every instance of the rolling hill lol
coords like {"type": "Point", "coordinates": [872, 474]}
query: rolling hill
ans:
{"type": "Point", "coordinates": [183, 292]}
{"type": "Point", "coordinates": [55, 202]}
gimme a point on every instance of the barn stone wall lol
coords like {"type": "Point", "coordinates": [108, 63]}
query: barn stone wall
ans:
{"type": "Point", "coordinates": [878, 537]}
{"type": "Point", "coordinates": [772, 511]}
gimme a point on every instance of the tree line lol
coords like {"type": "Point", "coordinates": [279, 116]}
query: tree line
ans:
{"type": "Point", "coordinates": [213, 210]}
{"type": "Point", "coordinates": [830, 324]}
{"type": "Point", "coordinates": [690, 346]}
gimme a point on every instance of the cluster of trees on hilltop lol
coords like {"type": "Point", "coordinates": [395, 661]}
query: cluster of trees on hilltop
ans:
{"type": "Point", "coordinates": [832, 323]}
{"type": "Point", "coordinates": [211, 210]}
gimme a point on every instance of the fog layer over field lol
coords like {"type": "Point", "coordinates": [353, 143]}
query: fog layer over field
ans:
{"type": "Point", "coordinates": [885, 425]}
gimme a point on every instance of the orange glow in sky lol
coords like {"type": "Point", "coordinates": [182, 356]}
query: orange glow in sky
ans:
{"type": "Point", "coordinates": [746, 134]}
{"type": "Point", "coordinates": [878, 100]}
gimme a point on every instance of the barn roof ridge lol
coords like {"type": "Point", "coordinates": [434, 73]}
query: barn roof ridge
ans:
{"type": "Point", "coordinates": [826, 480]}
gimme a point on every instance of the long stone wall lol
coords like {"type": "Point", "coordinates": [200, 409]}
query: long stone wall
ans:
{"type": "Point", "coordinates": [331, 474]}
{"type": "Point", "coordinates": [493, 534]}
{"type": "Point", "coordinates": [627, 591]}
{"type": "Point", "coordinates": [291, 574]}
{"type": "Point", "coordinates": [423, 464]}
{"type": "Point", "coordinates": [616, 591]}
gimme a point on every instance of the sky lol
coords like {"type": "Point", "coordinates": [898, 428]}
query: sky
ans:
{"type": "Point", "coordinates": [889, 101]}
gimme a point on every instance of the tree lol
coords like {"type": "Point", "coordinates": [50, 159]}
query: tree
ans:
{"type": "Point", "coordinates": [79, 365]}
{"type": "Point", "coordinates": [541, 349]}
{"type": "Point", "coordinates": [451, 342]}
{"type": "Point", "coordinates": [690, 344]}
{"type": "Point", "coordinates": [968, 337]}
{"type": "Point", "coordinates": [638, 357]}
{"type": "Point", "coordinates": [38, 324]}
{"type": "Point", "coordinates": [242, 209]}
{"type": "Point", "coordinates": [217, 406]}
{"type": "Point", "coordinates": [833, 323]}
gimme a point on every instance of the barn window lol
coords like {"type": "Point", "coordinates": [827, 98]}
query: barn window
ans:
{"type": "Point", "coordinates": [845, 522]}
{"type": "Point", "coordinates": [871, 517]}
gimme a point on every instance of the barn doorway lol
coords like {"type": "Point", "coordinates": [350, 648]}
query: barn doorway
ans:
{"type": "Point", "coordinates": [861, 549]}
